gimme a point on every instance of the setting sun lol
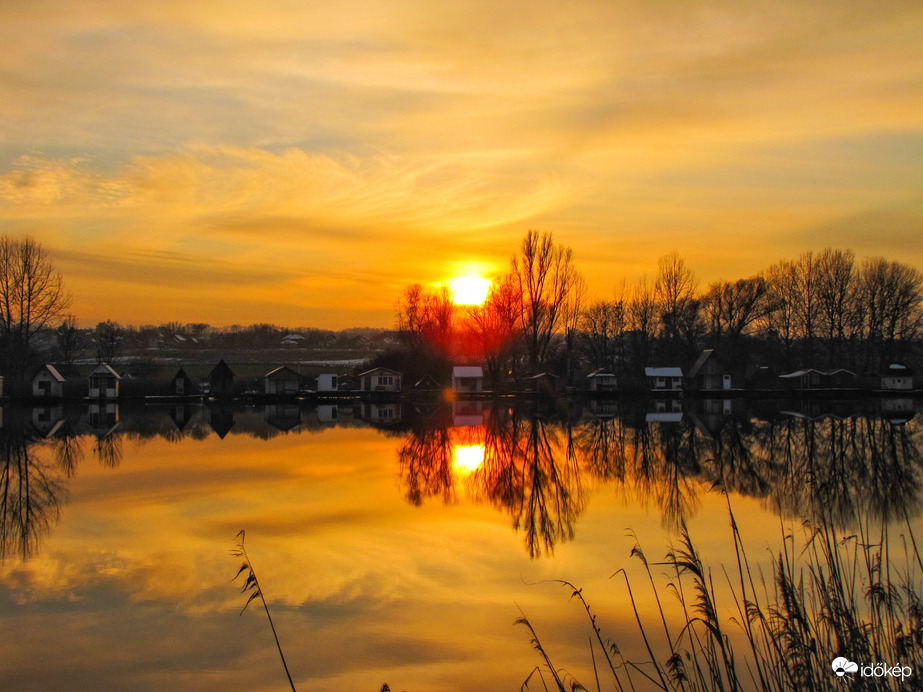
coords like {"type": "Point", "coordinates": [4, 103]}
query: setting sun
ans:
{"type": "Point", "coordinates": [469, 290]}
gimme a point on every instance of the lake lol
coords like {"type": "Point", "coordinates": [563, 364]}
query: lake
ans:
{"type": "Point", "coordinates": [400, 542]}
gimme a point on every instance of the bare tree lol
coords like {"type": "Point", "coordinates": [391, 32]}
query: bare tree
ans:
{"type": "Point", "coordinates": [495, 325]}
{"type": "Point", "coordinates": [733, 308]}
{"type": "Point", "coordinates": [836, 291]}
{"type": "Point", "coordinates": [642, 314]}
{"type": "Point", "coordinates": [546, 276]}
{"type": "Point", "coordinates": [32, 297]}
{"type": "Point", "coordinates": [674, 291]}
{"type": "Point", "coordinates": [70, 342]}
{"type": "Point", "coordinates": [425, 320]}
{"type": "Point", "coordinates": [603, 324]}
{"type": "Point", "coordinates": [570, 317]}
{"type": "Point", "coordinates": [807, 303]}
{"type": "Point", "coordinates": [781, 319]}
{"type": "Point", "coordinates": [108, 341]}
{"type": "Point", "coordinates": [890, 296]}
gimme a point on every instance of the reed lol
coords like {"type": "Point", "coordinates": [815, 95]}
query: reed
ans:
{"type": "Point", "coordinates": [252, 585]}
{"type": "Point", "coordinates": [827, 596]}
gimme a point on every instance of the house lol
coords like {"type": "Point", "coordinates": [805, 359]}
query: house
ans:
{"type": "Point", "coordinates": [283, 417]}
{"type": "Point", "coordinates": [221, 380]}
{"type": "Point", "coordinates": [327, 413]}
{"type": "Point", "coordinates": [282, 380]}
{"type": "Point", "coordinates": [327, 382]}
{"type": "Point", "coordinates": [897, 377]}
{"type": "Point", "coordinates": [103, 418]}
{"type": "Point", "coordinates": [48, 383]}
{"type": "Point", "coordinates": [601, 381]}
{"type": "Point", "coordinates": [181, 414]}
{"type": "Point", "coordinates": [221, 419]}
{"type": "Point", "coordinates": [103, 383]}
{"type": "Point", "coordinates": [664, 379]}
{"type": "Point", "coordinates": [819, 379]}
{"type": "Point", "coordinates": [380, 380]}
{"type": "Point", "coordinates": [181, 384]}
{"type": "Point", "coordinates": [543, 383]}
{"type": "Point", "coordinates": [48, 420]}
{"type": "Point", "coordinates": [467, 378]}
{"type": "Point", "coordinates": [382, 414]}
{"type": "Point", "coordinates": [709, 374]}
{"type": "Point", "coordinates": [293, 341]}
{"type": "Point", "coordinates": [468, 413]}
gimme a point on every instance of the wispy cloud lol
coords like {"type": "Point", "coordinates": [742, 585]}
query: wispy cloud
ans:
{"type": "Point", "coordinates": [349, 138]}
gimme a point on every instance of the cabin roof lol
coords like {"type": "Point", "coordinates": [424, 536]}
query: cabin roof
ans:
{"type": "Point", "coordinates": [700, 362]}
{"type": "Point", "coordinates": [105, 369]}
{"type": "Point", "coordinates": [663, 372]}
{"type": "Point", "coordinates": [601, 372]}
{"type": "Point", "coordinates": [467, 371]}
{"type": "Point", "coordinates": [51, 370]}
{"type": "Point", "coordinates": [381, 370]}
{"type": "Point", "coordinates": [283, 372]}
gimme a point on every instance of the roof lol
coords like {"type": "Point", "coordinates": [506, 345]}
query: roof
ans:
{"type": "Point", "coordinates": [467, 371]}
{"type": "Point", "coordinates": [663, 372]}
{"type": "Point", "coordinates": [808, 371]}
{"type": "Point", "coordinates": [181, 373]}
{"type": "Point", "coordinates": [898, 369]}
{"type": "Point", "coordinates": [600, 373]}
{"type": "Point", "coordinates": [221, 368]}
{"type": "Point", "coordinates": [700, 363]}
{"type": "Point", "coordinates": [105, 369]}
{"type": "Point", "coordinates": [282, 372]}
{"type": "Point", "coordinates": [385, 370]}
{"type": "Point", "coordinates": [50, 369]}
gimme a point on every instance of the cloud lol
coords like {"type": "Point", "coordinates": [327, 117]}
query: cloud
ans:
{"type": "Point", "coordinates": [339, 140]}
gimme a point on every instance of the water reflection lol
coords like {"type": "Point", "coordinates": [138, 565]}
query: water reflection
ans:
{"type": "Point", "coordinates": [41, 450]}
{"type": "Point", "coordinates": [829, 462]}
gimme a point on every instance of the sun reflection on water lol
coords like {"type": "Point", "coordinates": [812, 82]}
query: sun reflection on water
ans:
{"type": "Point", "coordinates": [467, 458]}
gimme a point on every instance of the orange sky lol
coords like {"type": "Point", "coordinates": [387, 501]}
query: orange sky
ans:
{"type": "Point", "coordinates": [300, 163]}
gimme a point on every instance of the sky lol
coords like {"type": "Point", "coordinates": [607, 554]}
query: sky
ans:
{"type": "Point", "coordinates": [300, 163]}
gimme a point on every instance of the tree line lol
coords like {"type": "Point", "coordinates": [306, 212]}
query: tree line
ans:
{"type": "Point", "coordinates": [823, 309]}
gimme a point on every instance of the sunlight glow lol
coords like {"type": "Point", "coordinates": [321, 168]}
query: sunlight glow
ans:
{"type": "Point", "coordinates": [469, 290]}
{"type": "Point", "coordinates": [468, 459]}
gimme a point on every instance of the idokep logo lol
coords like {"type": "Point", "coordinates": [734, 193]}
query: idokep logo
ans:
{"type": "Point", "coordinates": [843, 666]}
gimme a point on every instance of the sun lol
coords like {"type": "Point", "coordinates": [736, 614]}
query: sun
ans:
{"type": "Point", "coordinates": [469, 290]}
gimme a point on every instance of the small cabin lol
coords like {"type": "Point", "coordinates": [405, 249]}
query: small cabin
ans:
{"type": "Point", "coordinates": [282, 380]}
{"type": "Point", "coordinates": [819, 379]}
{"type": "Point", "coordinates": [221, 380]}
{"type": "Point", "coordinates": [48, 383]}
{"type": "Point", "coordinates": [709, 374]}
{"type": "Point", "coordinates": [601, 381]}
{"type": "Point", "coordinates": [664, 379]}
{"type": "Point", "coordinates": [467, 378]}
{"type": "Point", "coordinates": [543, 383]}
{"type": "Point", "coordinates": [327, 382]}
{"type": "Point", "coordinates": [897, 377]}
{"type": "Point", "coordinates": [181, 384]}
{"type": "Point", "coordinates": [103, 383]}
{"type": "Point", "coordinates": [380, 380]}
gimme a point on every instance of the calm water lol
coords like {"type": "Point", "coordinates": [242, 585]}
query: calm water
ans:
{"type": "Point", "coordinates": [397, 543]}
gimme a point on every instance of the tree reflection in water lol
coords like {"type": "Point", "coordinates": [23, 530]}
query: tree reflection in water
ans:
{"type": "Point", "coordinates": [41, 449]}
{"type": "Point", "coordinates": [536, 465]}
{"type": "Point", "coordinates": [832, 470]}
{"type": "Point", "coordinates": [526, 470]}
